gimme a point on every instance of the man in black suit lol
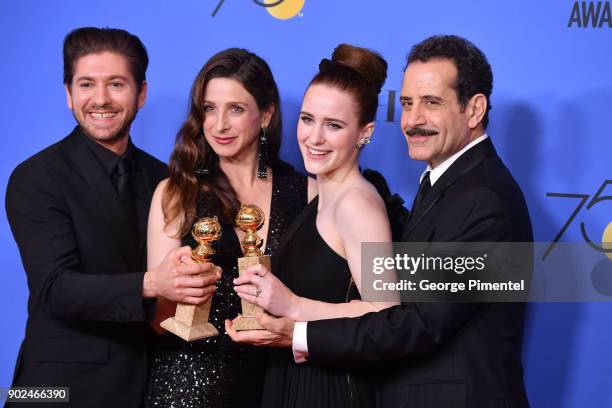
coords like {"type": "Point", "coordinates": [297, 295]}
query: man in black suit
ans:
{"type": "Point", "coordinates": [78, 211]}
{"type": "Point", "coordinates": [438, 354]}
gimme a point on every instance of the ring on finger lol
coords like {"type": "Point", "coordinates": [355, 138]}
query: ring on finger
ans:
{"type": "Point", "coordinates": [257, 292]}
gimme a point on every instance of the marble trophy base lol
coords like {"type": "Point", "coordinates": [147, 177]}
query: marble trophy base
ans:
{"type": "Point", "coordinates": [248, 321]}
{"type": "Point", "coordinates": [191, 322]}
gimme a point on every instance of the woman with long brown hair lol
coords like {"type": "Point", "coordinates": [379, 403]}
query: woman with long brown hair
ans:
{"type": "Point", "coordinates": [226, 153]}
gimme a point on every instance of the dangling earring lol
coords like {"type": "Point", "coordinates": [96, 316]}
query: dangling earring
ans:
{"type": "Point", "coordinates": [202, 172]}
{"type": "Point", "coordinates": [262, 155]}
{"type": "Point", "coordinates": [202, 168]}
{"type": "Point", "coordinates": [366, 140]}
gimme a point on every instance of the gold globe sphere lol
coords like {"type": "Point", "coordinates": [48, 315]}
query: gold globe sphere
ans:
{"type": "Point", "coordinates": [250, 217]}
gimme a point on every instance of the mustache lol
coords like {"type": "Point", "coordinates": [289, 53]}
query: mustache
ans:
{"type": "Point", "coordinates": [418, 131]}
{"type": "Point", "coordinates": [105, 106]}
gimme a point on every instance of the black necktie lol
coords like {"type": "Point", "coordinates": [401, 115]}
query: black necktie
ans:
{"type": "Point", "coordinates": [424, 188]}
{"type": "Point", "coordinates": [124, 188]}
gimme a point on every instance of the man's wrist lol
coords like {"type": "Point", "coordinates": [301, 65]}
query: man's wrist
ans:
{"type": "Point", "coordinates": [294, 309]}
{"type": "Point", "coordinates": [148, 288]}
{"type": "Point", "coordinates": [299, 343]}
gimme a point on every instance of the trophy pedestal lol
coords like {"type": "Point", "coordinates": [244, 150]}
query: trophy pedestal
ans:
{"type": "Point", "coordinates": [248, 321]}
{"type": "Point", "coordinates": [191, 322]}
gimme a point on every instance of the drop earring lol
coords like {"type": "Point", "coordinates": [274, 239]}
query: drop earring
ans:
{"type": "Point", "coordinates": [202, 169]}
{"type": "Point", "coordinates": [262, 155]}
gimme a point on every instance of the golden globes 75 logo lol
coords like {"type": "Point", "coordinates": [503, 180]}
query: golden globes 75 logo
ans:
{"type": "Point", "coordinates": [597, 199]}
{"type": "Point", "coordinates": [600, 202]}
{"type": "Point", "coordinates": [281, 9]}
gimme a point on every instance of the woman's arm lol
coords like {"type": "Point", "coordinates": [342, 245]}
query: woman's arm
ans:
{"type": "Point", "coordinates": [160, 240]}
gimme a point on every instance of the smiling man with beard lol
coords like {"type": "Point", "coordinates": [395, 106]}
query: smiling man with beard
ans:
{"type": "Point", "coordinates": [78, 211]}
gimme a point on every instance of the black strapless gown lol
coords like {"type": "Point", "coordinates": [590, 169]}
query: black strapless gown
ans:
{"type": "Point", "coordinates": [310, 268]}
{"type": "Point", "coordinates": [216, 372]}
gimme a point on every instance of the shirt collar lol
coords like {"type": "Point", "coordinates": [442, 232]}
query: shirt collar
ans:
{"type": "Point", "coordinates": [107, 157]}
{"type": "Point", "coordinates": [435, 174]}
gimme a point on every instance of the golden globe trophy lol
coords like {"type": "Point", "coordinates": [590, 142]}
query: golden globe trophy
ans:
{"type": "Point", "coordinates": [190, 322]}
{"type": "Point", "coordinates": [250, 218]}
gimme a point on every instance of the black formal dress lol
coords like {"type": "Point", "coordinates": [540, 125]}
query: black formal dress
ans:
{"type": "Point", "coordinates": [216, 372]}
{"type": "Point", "coordinates": [86, 326]}
{"type": "Point", "coordinates": [437, 354]}
{"type": "Point", "coordinates": [310, 268]}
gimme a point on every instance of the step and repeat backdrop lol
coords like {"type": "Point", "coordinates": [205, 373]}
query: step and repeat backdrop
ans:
{"type": "Point", "coordinates": [551, 124]}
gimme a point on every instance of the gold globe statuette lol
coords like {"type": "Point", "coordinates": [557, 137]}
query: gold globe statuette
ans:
{"type": "Point", "coordinates": [250, 218]}
{"type": "Point", "coordinates": [190, 322]}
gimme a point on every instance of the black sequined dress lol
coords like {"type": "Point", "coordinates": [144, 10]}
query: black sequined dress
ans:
{"type": "Point", "coordinates": [216, 372]}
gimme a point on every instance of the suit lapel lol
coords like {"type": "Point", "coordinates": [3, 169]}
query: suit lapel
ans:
{"type": "Point", "coordinates": [105, 193]}
{"type": "Point", "coordinates": [466, 162]}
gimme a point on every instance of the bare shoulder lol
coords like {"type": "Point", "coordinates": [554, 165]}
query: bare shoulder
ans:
{"type": "Point", "coordinates": [360, 202]}
{"type": "Point", "coordinates": [361, 216]}
{"type": "Point", "coordinates": [161, 186]}
{"type": "Point", "coordinates": [159, 193]}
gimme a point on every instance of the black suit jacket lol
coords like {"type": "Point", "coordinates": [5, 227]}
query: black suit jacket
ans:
{"type": "Point", "coordinates": [446, 355]}
{"type": "Point", "coordinates": [86, 324]}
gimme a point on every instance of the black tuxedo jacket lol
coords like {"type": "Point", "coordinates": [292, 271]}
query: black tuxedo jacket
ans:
{"type": "Point", "coordinates": [445, 355]}
{"type": "Point", "coordinates": [86, 325]}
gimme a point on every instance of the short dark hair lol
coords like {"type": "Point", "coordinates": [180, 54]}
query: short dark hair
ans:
{"type": "Point", "coordinates": [474, 73]}
{"type": "Point", "coordinates": [92, 40]}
